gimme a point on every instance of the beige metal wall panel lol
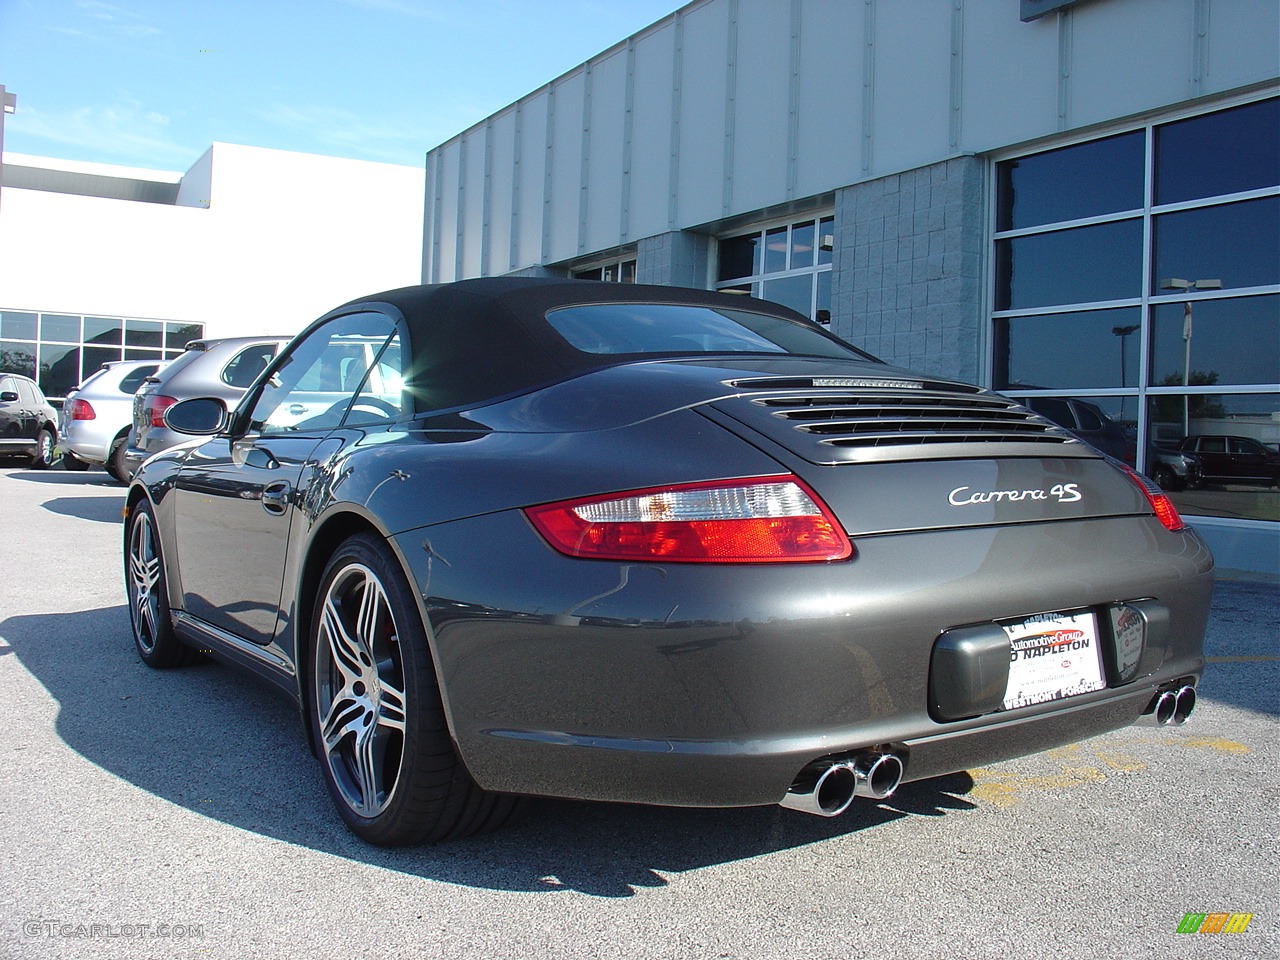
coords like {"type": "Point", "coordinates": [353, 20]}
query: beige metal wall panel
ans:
{"type": "Point", "coordinates": [529, 181]}
{"type": "Point", "coordinates": [703, 95]}
{"type": "Point", "coordinates": [564, 185]}
{"type": "Point", "coordinates": [911, 110]}
{"type": "Point", "coordinates": [600, 207]}
{"type": "Point", "coordinates": [1240, 36]}
{"type": "Point", "coordinates": [652, 132]}
{"type": "Point", "coordinates": [1009, 78]}
{"type": "Point", "coordinates": [471, 202]}
{"type": "Point", "coordinates": [762, 138]}
{"type": "Point", "coordinates": [499, 193]}
{"type": "Point", "coordinates": [830, 96]}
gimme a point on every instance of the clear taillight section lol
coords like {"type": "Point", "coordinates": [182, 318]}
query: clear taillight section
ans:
{"type": "Point", "coordinates": [757, 520]}
{"type": "Point", "coordinates": [80, 410]}
{"type": "Point", "coordinates": [1166, 512]}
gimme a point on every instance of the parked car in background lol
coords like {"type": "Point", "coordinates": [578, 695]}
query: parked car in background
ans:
{"type": "Point", "coordinates": [28, 422]}
{"type": "Point", "coordinates": [644, 544]}
{"type": "Point", "coordinates": [97, 415]}
{"type": "Point", "coordinates": [1087, 421]}
{"type": "Point", "coordinates": [1173, 469]}
{"type": "Point", "coordinates": [207, 368]}
{"type": "Point", "coordinates": [1228, 459]}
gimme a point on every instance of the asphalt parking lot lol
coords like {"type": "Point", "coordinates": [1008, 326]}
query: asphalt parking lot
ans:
{"type": "Point", "coordinates": [179, 814]}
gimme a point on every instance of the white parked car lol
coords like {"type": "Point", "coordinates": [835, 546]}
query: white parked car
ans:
{"type": "Point", "coordinates": [97, 415]}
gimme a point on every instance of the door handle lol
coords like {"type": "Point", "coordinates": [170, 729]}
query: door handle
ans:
{"type": "Point", "coordinates": [297, 409]}
{"type": "Point", "coordinates": [275, 497]}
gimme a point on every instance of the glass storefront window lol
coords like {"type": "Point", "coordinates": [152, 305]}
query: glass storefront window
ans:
{"type": "Point", "coordinates": [144, 333]}
{"type": "Point", "coordinates": [103, 330]}
{"type": "Point", "coordinates": [1083, 265]}
{"type": "Point", "coordinates": [1234, 440]}
{"type": "Point", "coordinates": [95, 357]}
{"type": "Point", "coordinates": [788, 264]}
{"type": "Point", "coordinates": [59, 329]}
{"type": "Point", "coordinates": [59, 369]}
{"type": "Point", "coordinates": [1236, 243]}
{"type": "Point", "coordinates": [1071, 183]}
{"type": "Point", "coordinates": [178, 335]}
{"type": "Point", "coordinates": [18, 357]}
{"type": "Point", "coordinates": [17, 326]}
{"type": "Point", "coordinates": [1090, 349]}
{"type": "Point", "coordinates": [1219, 153]}
{"type": "Point", "coordinates": [1233, 340]}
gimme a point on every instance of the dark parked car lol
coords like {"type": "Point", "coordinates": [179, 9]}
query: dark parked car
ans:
{"type": "Point", "coordinates": [615, 542]}
{"type": "Point", "coordinates": [1235, 459]}
{"type": "Point", "coordinates": [28, 422]}
{"type": "Point", "coordinates": [1087, 421]}
{"type": "Point", "coordinates": [207, 368]}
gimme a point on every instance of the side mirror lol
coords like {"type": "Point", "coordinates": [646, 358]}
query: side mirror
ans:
{"type": "Point", "coordinates": [9, 396]}
{"type": "Point", "coordinates": [198, 416]}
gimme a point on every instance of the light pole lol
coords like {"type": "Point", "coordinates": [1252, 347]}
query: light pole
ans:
{"type": "Point", "coordinates": [1186, 286]}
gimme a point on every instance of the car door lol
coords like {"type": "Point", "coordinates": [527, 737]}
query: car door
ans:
{"type": "Point", "coordinates": [236, 495]}
{"type": "Point", "coordinates": [1213, 457]}
{"type": "Point", "coordinates": [1248, 459]}
{"type": "Point", "coordinates": [14, 415]}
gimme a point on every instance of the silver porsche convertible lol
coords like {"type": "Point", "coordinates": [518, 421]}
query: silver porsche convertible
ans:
{"type": "Point", "coordinates": [507, 538]}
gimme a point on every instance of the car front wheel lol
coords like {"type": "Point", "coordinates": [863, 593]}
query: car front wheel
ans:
{"type": "Point", "coordinates": [153, 635]}
{"type": "Point", "coordinates": [376, 712]}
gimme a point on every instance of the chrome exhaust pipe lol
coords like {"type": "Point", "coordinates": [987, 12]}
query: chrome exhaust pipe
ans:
{"type": "Point", "coordinates": [825, 790]}
{"type": "Point", "coordinates": [877, 775]}
{"type": "Point", "coordinates": [1184, 703]}
{"type": "Point", "coordinates": [1170, 708]}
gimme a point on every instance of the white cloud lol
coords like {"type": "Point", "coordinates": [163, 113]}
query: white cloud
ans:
{"type": "Point", "coordinates": [125, 132]}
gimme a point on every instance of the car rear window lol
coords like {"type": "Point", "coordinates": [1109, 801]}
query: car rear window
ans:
{"type": "Point", "coordinates": [133, 379]}
{"type": "Point", "coordinates": [633, 329]}
{"type": "Point", "coordinates": [247, 364]}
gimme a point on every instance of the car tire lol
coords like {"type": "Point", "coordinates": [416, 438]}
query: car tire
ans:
{"type": "Point", "coordinates": [1167, 479]}
{"type": "Point", "coordinates": [73, 463]}
{"type": "Point", "coordinates": [376, 712]}
{"type": "Point", "coordinates": [116, 464]}
{"type": "Point", "coordinates": [147, 589]}
{"type": "Point", "coordinates": [43, 458]}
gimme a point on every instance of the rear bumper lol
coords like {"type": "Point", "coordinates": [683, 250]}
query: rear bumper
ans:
{"type": "Point", "coordinates": [713, 686]}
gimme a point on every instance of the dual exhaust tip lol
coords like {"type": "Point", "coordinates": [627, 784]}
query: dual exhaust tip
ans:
{"type": "Point", "coordinates": [1171, 708]}
{"type": "Point", "coordinates": [827, 788]}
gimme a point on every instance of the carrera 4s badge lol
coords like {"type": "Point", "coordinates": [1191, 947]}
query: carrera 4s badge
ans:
{"type": "Point", "coordinates": [1060, 492]}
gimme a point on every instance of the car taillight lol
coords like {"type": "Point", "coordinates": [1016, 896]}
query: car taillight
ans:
{"type": "Point", "coordinates": [1166, 512]}
{"type": "Point", "coordinates": [757, 520]}
{"type": "Point", "coordinates": [80, 410]}
{"type": "Point", "coordinates": [154, 407]}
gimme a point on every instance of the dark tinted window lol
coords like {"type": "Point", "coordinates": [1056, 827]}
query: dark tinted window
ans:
{"type": "Point", "coordinates": [1237, 243]}
{"type": "Point", "coordinates": [177, 336]}
{"type": "Point", "coordinates": [133, 379]}
{"type": "Point", "coordinates": [1083, 265]}
{"type": "Point", "coordinates": [18, 357]}
{"type": "Point", "coordinates": [1236, 340]}
{"type": "Point", "coordinates": [652, 328]}
{"type": "Point", "coordinates": [1088, 349]}
{"type": "Point", "coordinates": [102, 330]}
{"type": "Point", "coordinates": [144, 333]}
{"type": "Point", "coordinates": [247, 364]}
{"type": "Point", "coordinates": [59, 368]}
{"type": "Point", "coordinates": [1225, 152]}
{"type": "Point", "coordinates": [1086, 180]}
{"type": "Point", "coordinates": [740, 257]}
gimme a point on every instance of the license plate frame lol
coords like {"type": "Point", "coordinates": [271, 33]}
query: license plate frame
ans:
{"type": "Point", "coordinates": [1053, 656]}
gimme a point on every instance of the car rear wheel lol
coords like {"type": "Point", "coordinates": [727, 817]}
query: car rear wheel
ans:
{"type": "Point", "coordinates": [116, 465]}
{"type": "Point", "coordinates": [153, 634]}
{"type": "Point", "coordinates": [42, 459]}
{"type": "Point", "coordinates": [376, 712]}
{"type": "Point", "coordinates": [1167, 479]}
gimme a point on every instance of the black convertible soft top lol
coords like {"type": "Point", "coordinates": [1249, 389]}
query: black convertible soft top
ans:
{"type": "Point", "coordinates": [477, 340]}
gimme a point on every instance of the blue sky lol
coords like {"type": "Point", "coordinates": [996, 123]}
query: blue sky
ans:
{"type": "Point", "coordinates": [151, 83]}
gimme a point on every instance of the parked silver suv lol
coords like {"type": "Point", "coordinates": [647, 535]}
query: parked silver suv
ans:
{"type": "Point", "coordinates": [208, 368]}
{"type": "Point", "coordinates": [97, 415]}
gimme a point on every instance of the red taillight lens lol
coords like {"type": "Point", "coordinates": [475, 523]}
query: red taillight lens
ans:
{"type": "Point", "coordinates": [1166, 512]}
{"type": "Point", "coordinates": [81, 410]}
{"type": "Point", "coordinates": [154, 407]}
{"type": "Point", "coordinates": [759, 520]}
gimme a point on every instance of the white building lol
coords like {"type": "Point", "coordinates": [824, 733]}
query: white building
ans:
{"type": "Point", "coordinates": [1076, 202]}
{"type": "Point", "coordinates": [101, 262]}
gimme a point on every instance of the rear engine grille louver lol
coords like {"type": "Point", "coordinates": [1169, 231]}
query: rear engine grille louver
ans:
{"type": "Point", "coordinates": [909, 418]}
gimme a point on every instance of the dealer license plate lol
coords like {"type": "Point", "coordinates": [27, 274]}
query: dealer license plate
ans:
{"type": "Point", "coordinates": [1054, 655]}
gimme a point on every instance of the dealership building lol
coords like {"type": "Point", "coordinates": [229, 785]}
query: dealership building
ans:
{"type": "Point", "coordinates": [1074, 203]}
{"type": "Point", "coordinates": [100, 262]}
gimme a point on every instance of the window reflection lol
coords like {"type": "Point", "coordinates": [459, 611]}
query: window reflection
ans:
{"type": "Point", "coordinates": [18, 357]}
{"type": "Point", "coordinates": [794, 292]}
{"type": "Point", "coordinates": [1236, 340]}
{"type": "Point", "coordinates": [1238, 243]}
{"type": "Point", "coordinates": [1108, 423]}
{"type": "Point", "coordinates": [1083, 265]}
{"type": "Point", "coordinates": [1089, 349]}
{"type": "Point", "coordinates": [1234, 441]}
{"type": "Point", "coordinates": [775, 250]}
{"type": "Point", "coordinates": [1071, 183]}
{"type": "Point", "coordinates": [1219, 153]}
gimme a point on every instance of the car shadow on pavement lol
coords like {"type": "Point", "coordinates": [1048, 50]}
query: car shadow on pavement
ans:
{"type": "Point", "coordinates": [71, 478]}
{"type": "Point", "coordinates": [97, 509]}
{"type": "Point", "coordinates": [211, 740]}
